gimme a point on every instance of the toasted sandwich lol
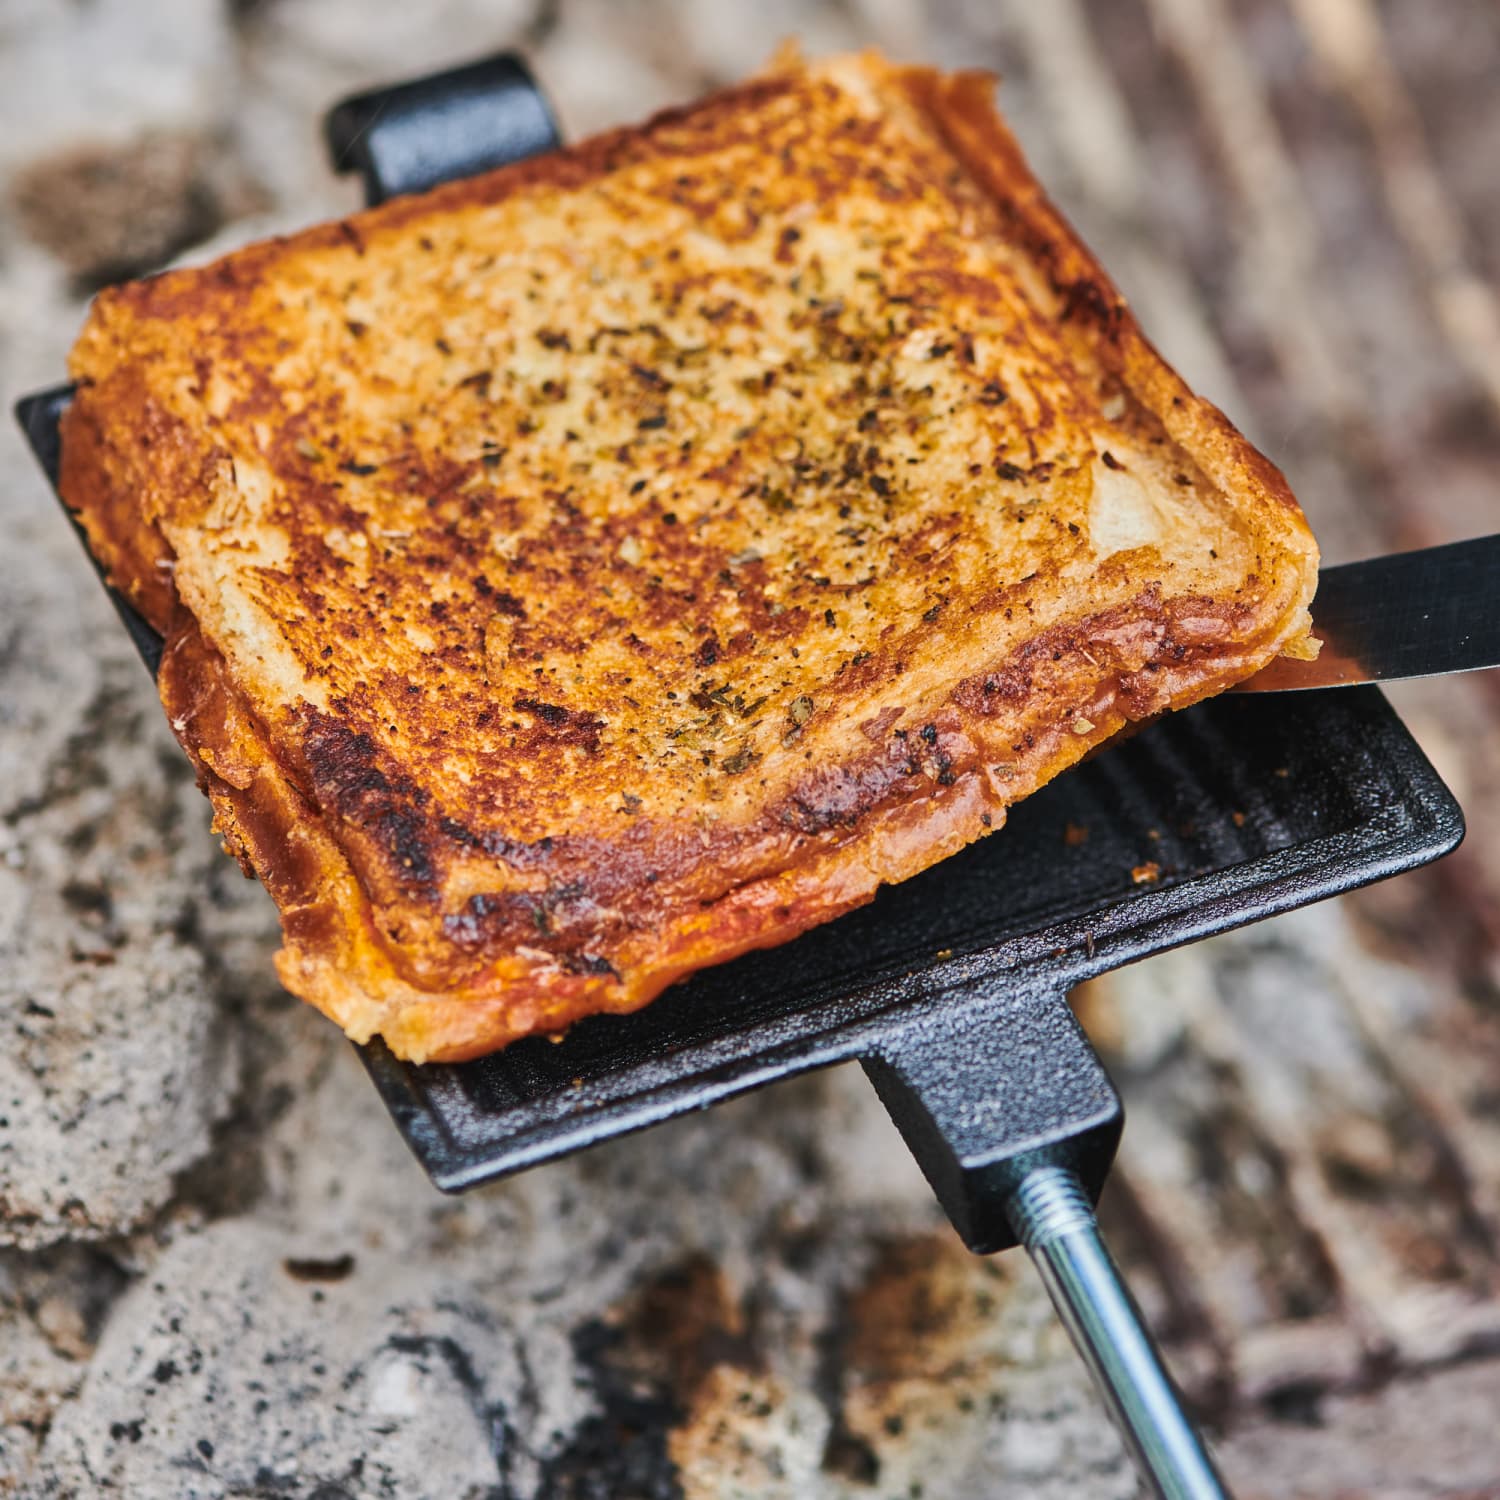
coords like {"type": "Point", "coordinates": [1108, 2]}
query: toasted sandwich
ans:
{"type": "Point", "coordinates": [592, 570]}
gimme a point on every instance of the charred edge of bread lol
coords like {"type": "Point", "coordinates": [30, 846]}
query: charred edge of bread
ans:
{"type": "Point", "coordinates": [108, 495]}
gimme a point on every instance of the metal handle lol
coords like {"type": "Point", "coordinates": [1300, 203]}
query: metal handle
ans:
{"type": "Point", "coordinates": [1051, 1215]}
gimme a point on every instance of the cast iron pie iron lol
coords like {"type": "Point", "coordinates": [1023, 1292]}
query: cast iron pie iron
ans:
{"type": "Point", "coordinates": [950, 989]}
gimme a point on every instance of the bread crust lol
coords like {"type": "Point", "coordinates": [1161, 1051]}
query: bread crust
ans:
{"type": "Point", "coordinates": [594, 570]}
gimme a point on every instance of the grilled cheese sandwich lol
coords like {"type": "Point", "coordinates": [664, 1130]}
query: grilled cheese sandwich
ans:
{"type": "Point", "coordinates": [595, 569]}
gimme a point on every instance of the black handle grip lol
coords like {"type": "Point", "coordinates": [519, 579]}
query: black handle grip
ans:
{"type": "Point", "coordinates": [990, 1084]}
{"type": "Point", "coordinates": [412, 136]}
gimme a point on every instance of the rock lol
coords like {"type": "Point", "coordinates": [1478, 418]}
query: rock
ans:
{"type": "Point", "coordinates": [722, 43]}
{"type": "Point", "coordinates": [51, 1308]}
{"type": "Point", "coordinates": [607, 64]}
{"type": "Point", "coordinates": [1269, 1078]}
{"type": "Point", "coordinates": [52, 617]}
{"type": "Point", "coordinates": [114, 132]}
{"type": "Point", "coordinates": [109, 1086]}
{"type": "Point", "coordinates": [236, 1370]}
{"type": "Point", "coordinates": [1413, 1439]}
{"type": "Point", "coordinates": [604, 65]}
{"type": "Point", "coordinates": [716, 1311]}
{"type": "Point", "coordinates": [108, 72]}
{"type": "Point", "coordinates": [109, 212]}
{"type": "Point", "coordinates": [365, 44]}
{"type": "Point", "coordinates": [118, 1051]}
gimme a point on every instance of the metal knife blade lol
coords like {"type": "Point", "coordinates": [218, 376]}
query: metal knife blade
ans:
{"type": "Point", "coordinates": [1412, 614]}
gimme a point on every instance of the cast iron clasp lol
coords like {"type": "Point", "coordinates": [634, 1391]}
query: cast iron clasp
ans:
{"type": "Point", "coordinates": [988, 1083]}
{"type": "Point", "coordinates": [412, 136]}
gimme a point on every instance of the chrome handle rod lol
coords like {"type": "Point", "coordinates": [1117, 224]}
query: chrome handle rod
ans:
{"type": "Point", "coordinates": [1052, 1217]}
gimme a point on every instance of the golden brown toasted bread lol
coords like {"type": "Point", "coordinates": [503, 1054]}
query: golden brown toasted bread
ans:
{"type": "Point", "coordinates": [595, 569]}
